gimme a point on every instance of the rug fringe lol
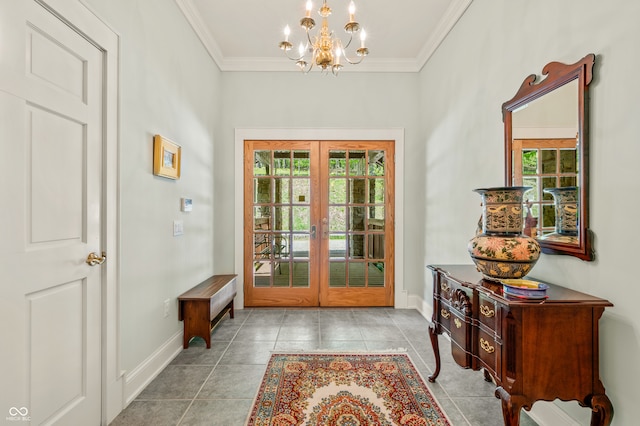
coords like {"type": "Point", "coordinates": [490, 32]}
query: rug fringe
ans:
{"type": "Point", "coordinates": [340, 352]}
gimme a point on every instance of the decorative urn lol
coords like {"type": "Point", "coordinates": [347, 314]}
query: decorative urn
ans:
{"type": "Point", "coordinates": [501, 250]}
{"type": "Point", "coordinates": [566, 212]}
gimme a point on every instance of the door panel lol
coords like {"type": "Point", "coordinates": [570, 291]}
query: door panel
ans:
{"type": "Point", "coordinates": [56, 177]}
{"type": "Point", "coordinates": [51, 137]}
{"type": "Point", "coordinates": [315, 215]}
{"type": "Point", "coordinates": [358, 186]}
{"type": "Point", "coordinates": [281, 238]}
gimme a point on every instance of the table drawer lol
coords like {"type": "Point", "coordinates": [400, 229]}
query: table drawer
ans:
{"type": "Point", "coordinates": [444, 316]}
{"type": "Point", "coordinates": [488, 312]}
{"type": "Point", "coordinates": [461, 347]}
{"type": "Point", "coordinates": [446, 287]}
{"type": "Point", "coordinates": [488, 350]}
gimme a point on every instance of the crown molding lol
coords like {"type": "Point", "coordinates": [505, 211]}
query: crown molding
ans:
{"type": "Point", "coordinates": [188, 10]}
{"type": "Point", "coordinates": [265, 64]}
{"type": "Point", "coordinates": [451, 17]}
{"type": "Point", "coordinates": [391, 65]}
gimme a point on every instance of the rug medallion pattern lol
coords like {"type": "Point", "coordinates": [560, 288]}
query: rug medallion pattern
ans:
{"type": "Point", "coordinates": [344, 390]}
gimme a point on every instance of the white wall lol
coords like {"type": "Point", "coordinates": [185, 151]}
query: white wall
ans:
{"type": "Point", "coordinates": [481, 64]}
{"type": "Point", "coordinates": [169, 85]}
{"type": "Point", "coordinates": [453, 143]}
{"type": "Point", "coordinates": [293, 100]}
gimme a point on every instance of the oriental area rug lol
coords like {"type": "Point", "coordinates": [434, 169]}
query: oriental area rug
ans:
{"type": "Point", "coordinates": [321, 389]}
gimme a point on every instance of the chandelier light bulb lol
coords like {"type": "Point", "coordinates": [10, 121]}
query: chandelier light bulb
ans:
{"type": "Point", "coordinates": [324, 48]}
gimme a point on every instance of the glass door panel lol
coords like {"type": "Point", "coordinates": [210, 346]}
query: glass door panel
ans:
{"type": "Point", "coordinates": [354, 232]}
{"type": "Point", "coordinates": [278, 249]}
{"type": "Point", "coordinates": [316, 215]}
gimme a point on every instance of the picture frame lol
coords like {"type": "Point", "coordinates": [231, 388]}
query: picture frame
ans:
{"type": "Point", "coordinates": [166, 157]}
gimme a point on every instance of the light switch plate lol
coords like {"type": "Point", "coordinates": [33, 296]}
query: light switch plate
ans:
{"type": "Point", "coordinates": [178, 228]}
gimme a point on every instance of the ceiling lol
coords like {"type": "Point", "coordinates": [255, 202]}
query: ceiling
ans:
{"type": "Point", "coordinates": [243, 35]}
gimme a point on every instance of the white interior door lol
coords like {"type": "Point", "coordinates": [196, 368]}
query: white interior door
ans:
{"type": "Point", "coordinates": [50, 216]}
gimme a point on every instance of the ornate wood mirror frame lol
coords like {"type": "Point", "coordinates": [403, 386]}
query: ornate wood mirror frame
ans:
{"type": "Point", "coordinates": [542, 155]}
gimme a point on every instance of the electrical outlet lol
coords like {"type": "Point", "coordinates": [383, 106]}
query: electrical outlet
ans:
{"type": "Point", "coordinates": [166, 307]}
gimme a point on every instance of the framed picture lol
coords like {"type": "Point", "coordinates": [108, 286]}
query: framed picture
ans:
{"type": "Point", "coordinates": [166, 158]}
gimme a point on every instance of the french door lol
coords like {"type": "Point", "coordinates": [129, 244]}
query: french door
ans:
{"type": "Point", "coordinates": [318, 221]}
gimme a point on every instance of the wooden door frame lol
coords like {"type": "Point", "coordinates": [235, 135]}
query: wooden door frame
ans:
{"type": "Point", "coordinates": [393, 134]}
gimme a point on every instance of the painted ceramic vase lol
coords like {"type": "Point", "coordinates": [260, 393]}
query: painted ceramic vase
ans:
{"type": "Point", "coordinates": [566, 209]}
{"type": "Point", "coordinates": [501, 250]}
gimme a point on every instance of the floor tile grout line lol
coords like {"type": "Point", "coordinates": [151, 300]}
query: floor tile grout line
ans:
{"type": "Point", "coordinates": [211, 372]}
{"type": "Point", "coordinates": [413, 335]}
{"type": "Point", "coordinates": [431, 371]}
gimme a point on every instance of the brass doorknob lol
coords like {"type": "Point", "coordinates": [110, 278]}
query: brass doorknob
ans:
{"type": "Point", "coordinates": [93, 259]}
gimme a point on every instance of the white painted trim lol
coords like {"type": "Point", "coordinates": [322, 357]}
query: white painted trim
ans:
{"type": "Point", "coordinates": [372, 64]}
{"type": "Point", "coordinates": [201, 30]}
{"type": "Point", "coordinates": [454, 12]}
{"type": "Point", "coordinates": [395, 134]}
{"type": "Point", "coordinates": [419, 304]}
{"type": "Point", "coordinates": [549, 414]}
{"type": "Point", "coordinates": [80, 17]}
{"type": "Point", "coordinates": [285, 65]}
{"type": "Point", "coordinates": [137, 379]}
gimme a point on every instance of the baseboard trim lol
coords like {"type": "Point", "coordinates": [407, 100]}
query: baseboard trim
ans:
{"type": "Point", "coordinates": [417, 303]}
{"type": "Point", "coordinates": [548, 414]}
{"type": "Point", "coordinates": [137, 379]}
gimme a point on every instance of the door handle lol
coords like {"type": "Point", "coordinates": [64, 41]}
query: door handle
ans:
{"type": "Point", "coordinates": [93, 259]}
{"type": "Point", "coordinates": [325, 228]}
{"type": "Point", "coordinates": [313, 232]}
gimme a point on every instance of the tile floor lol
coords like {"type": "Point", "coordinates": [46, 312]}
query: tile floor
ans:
{"type": "Point", "coordinates": [216, 386]}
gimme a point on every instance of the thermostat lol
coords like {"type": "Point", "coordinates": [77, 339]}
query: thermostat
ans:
{"type": "Point", "coordinates": [186, 204]}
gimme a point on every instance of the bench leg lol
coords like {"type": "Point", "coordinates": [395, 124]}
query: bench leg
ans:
{"type": "Point", "coordinates": [196, 321]}
{"type": "Point", "coordinates": [230, 306]}
{"type": "Point", "coordinates": [185, 340]}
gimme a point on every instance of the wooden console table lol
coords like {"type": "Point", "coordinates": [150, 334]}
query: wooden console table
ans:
{"type": "Point", "coordinates": [534, 350]}
{"type": "Point", "coordinates": [205, 304]}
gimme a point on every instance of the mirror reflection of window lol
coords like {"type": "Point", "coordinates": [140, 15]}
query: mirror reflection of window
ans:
{"type": "Point", "coordinates": [545, 151]}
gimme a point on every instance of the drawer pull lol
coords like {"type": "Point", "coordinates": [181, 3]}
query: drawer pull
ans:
{"type": "Point", "coordinates": [445, 314]}
{"type": "Point", "coordinates": [486, 346]}
{"type": "Point", "coordinates": [487, 311]}
{"type": "Point", "coordinates": [444, 286]}
{"type": "Point", "coordinates": [457, 322]}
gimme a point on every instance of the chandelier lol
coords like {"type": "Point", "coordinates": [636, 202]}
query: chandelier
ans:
{"type": "Point", "coordinates": [324, 49]}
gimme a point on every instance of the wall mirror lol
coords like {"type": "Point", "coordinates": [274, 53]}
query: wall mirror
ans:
{"type": "Point", "coordinates": [546, 148]}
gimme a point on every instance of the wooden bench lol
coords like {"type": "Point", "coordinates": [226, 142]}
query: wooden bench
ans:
{"type": "Point", "coordinates": [204, 305]}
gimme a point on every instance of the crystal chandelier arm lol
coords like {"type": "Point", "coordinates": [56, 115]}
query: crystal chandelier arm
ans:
{"type": "Point", "coordinates": [362, 51]}
{"type": "Point", "coordinates": [346, 46]}
{"type": "Point", "coordinates": [295, 58]}
{"type": "Point", "coordinates": [352, 61]}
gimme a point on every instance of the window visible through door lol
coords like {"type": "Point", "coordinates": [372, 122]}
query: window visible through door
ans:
{"type": "Point", "coordinates": [318, 223]}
